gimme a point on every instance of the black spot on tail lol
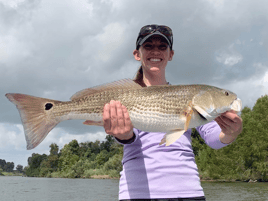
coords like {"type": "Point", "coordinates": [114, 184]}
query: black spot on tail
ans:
{"type": "Point", "coordinates": [48, 106]}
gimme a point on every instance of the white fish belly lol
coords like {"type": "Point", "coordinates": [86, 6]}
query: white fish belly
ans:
{"type": "Point", "coordinates": [156, 122]}
{"type": "Point", "coordinates": [85, 116]}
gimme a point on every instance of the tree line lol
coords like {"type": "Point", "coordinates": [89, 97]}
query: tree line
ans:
{"type": "Point", "coordinates": [246, 158]}
{"type": "Point", "coordinates": [9, 167]}
{"type": "Point", "coordinates": [78, 160]}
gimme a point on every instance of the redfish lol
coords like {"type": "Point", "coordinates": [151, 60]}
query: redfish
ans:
{"type": "Point", "coordinates": [163, 108]}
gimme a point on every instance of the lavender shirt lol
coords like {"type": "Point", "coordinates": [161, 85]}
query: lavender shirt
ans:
{"type": "Point", "coordinates": [152, 171]}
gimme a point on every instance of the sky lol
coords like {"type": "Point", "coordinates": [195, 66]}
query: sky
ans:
{"type": "Point", "coordinates": [53, 49]}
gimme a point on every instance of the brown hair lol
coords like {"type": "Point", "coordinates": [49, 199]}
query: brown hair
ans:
{"type": "Point", "coordinates": [139, 77]}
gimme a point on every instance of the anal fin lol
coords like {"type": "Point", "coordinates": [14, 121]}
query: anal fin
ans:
{"type": "Point", "coordinates": [171, 136]}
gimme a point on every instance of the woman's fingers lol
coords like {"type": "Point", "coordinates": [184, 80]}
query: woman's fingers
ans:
{"type": "Point", "coordinates": [120, 118]}
{"type": "Point", "coordinates": [128, 124]}
{"type": "Point", "coordinates": [107, 118]}
{"type": "Point", "coordinates": [113, 115]}
{"type": "Point", "coordinates": [230, 123]}
{"type": "Point", "coordinates": [116, 120]}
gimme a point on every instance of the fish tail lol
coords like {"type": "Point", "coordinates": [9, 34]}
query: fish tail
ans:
{"type": "Point", "coordinates": [36, 115]}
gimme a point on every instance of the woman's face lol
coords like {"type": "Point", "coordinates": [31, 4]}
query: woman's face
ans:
{"type": "Point", "coordinates": [154, 54]}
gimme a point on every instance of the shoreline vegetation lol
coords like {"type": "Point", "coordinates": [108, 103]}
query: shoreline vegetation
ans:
{"type": "Point", "coordinates": [244, 160]}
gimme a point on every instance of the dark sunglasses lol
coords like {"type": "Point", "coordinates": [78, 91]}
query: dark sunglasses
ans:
{"type": "Point", "coordinates": [151, 29]}
{"type": "Point", "coordinates": [148, 29]}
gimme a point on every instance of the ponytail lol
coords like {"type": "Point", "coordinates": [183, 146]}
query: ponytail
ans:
{"type": "Point", "coordinates": [139, 77]}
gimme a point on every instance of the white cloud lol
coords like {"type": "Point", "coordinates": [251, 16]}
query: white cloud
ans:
{"type": "Point", "coordinates": [265, 78]}
{"type": "Point", "coordinates": [11, 48]}
{"type": "Point", "coordinates": [55, 48]}
{"type": "Point", "coordinates": [111, 39]}
{"type": "Point", "coordinates": [11, 136]}
{"type": "Point", "coordinates": [228, 59]}
{"type": "Point", "coordinates": [264, 83]}
{"type": "Point", "coordinates": [229, 56]}
{"type": "Point", "coordinates": [249, 90]}
{"type": "Point", "coordinates": [217, 4]}
{"type": "Point", "coordinates": [11, 3]}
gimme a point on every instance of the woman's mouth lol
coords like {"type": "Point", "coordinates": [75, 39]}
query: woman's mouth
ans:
{"type": "Point", "coordinates": [155, 59]}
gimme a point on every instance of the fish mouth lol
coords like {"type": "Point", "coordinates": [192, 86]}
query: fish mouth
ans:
{"type": "Point", "coordinates": [236, 105]}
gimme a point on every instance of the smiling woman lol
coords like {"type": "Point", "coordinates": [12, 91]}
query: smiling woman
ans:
{"type": "Point", "coordinates": [154, 54]}
{"type": "Point", "coordinates": [152, 171]}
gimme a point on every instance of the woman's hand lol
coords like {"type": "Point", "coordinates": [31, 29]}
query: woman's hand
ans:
{"type": "Point", "coordinates": [116, 121]}
{"type": "Point", "coordinates": [231, 126]}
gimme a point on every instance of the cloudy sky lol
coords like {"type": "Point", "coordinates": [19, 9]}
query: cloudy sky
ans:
{"type": "Point", "coordinates": [53, 48]}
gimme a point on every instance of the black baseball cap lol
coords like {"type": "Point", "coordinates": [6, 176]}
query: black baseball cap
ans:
{"type": "Point", "coordinates": [154, 29]}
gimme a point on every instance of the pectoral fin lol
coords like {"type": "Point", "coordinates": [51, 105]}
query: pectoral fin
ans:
{"type": "Point", "coordinates": [203, 113]}
{"type": "Point", "coordinates": [93, 123]}
{"type": "Point", "coordinates": [171, 136]}
{"type": "Point", "coordinates": [188, 114]}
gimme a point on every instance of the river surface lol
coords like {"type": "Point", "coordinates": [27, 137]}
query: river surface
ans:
{"type": "Point", "coordinates": [54, 189]}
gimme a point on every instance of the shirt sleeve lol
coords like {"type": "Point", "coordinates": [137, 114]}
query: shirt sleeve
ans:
{"type": "Point", "coordinates": [210, 133]}
{"type": "Point", "coordinates": [123, 142]}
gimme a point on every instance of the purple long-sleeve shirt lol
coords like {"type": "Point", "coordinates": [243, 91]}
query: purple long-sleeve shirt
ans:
{"type": "Point", "coordinates": [152, 171]}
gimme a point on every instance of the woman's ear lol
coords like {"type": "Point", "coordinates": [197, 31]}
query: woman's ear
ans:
{"type": "Point", "coordinates": [171, 55]}
{"type": "Point", "coordinates": [136, 54]}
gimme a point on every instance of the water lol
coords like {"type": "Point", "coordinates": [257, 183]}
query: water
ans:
{"type": "Point", "coordinates": [53, 189]}
{"type": "Point", "coordinates": [235, 191]}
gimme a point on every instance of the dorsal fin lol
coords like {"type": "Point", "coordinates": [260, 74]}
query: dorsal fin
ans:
{"type": "Point", "coordinates": [120, 84]}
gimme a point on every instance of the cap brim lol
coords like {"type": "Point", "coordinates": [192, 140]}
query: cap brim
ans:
{"type": "Point", "coordinates": [155, 33]}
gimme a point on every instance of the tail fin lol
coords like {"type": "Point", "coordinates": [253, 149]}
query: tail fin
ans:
{"type": "Point", "coordinates": [36, 116]}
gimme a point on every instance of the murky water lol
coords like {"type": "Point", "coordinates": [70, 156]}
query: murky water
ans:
{"type": "Point", "coordinates": [53, 189]}
{"type": "Point", "coordinates": [235, 191]}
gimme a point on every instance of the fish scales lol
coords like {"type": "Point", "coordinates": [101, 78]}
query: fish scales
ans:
{"type": "Point", "coordinates": [168, 108]}
{"type": "Point", "coordinates": [149, 105]}
{"type": "Point", "coordinates": [159, 109]}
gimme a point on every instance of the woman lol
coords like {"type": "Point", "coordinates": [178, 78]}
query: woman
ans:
{"type": "Point", "coordinates": [151, 171]}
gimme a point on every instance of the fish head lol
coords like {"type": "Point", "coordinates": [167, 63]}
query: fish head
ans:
{"type": "Point", "coordinates": [211, 102]}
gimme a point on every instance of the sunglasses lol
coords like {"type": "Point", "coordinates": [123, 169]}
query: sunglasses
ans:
{"type": "Point", "coordinates": [149, 29]}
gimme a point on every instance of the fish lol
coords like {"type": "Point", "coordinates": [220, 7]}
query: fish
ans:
{"type": "Point", "coordinates": [172, 109]}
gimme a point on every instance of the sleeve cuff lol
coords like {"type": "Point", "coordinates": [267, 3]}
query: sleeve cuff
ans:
{"type": "Point", "coordinates": [129, 141]}
{"type": "Point", "coordinates": [210, 132]}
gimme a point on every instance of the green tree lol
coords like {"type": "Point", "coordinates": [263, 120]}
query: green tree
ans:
{"type": "Point", "coordinates": [114, 163]}
{"type": "Point", "coordinates": [54, 149]}
{"type": "Point", "coordinates": [68, 155]}
{"type": "Point", "coordinates": [50, 164]}
{"type": "Point", "coordinates": [19, 168]}
{"type": "Point", "coordinates": [255, 133]}
{"type": "Point", "coordinates": [2, 164]}
{"type": "Point", "coordinates": [34, 163]}
{"type": "Point", "coordinates": [107, 144]}
{"type": "Point", "coordinates": [74, 147]}
{"type": "Point", "coordinates": [102, 158]}
{"type": "Point", "coordinates": [9, 166]}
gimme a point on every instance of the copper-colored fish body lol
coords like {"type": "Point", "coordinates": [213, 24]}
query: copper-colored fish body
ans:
{"type": "Point", "coordinates": [168, 108]}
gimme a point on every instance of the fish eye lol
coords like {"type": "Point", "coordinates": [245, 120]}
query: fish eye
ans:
{"type": "Point", "coordinates": [226, 93]}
